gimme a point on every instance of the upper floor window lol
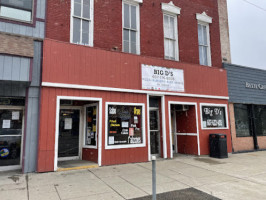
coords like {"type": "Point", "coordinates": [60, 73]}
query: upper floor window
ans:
{"type": "Point", "coordinates": [82, 22]}
{"type": "Point", "coordinates": [170, 30]}
{"type": "Point", "coordinates": [20, 10]}
{"type": "Point", "coordinates": [131, 33]}
{"type": "Point", "coordinates": [204, 38]}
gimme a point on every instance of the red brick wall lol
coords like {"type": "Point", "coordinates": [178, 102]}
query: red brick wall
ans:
{"type": "Point", "coordinates": [108, 26]}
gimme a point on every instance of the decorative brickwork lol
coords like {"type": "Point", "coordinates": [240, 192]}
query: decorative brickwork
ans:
{"type": "Point", "coordinates": [16, 45]}
{"type": "Point", "coordinates": [108, 27]}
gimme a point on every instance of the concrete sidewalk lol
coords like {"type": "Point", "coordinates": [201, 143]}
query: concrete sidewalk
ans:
{"type": "Point", "coordinates": [241, 176]}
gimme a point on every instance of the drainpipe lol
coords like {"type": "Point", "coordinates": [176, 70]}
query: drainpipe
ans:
{"type": "Point", "coordinates": [254, 133]}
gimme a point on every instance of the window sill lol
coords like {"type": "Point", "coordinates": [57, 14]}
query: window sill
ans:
{"type": "Point", "coordinates": [15, 21]}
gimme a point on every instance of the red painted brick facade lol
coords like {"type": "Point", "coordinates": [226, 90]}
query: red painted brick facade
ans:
{"type": "Point", "coordinates": [108, 26]}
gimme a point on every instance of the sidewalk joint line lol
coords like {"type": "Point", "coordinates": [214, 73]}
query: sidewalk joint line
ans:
{"type": "Point", "coordinates": [107, 184]}
{"type": "Point", "coordinates": [57, 191]}
{"type": "Point", "coordinates": [27, 184]}
{"type": "Point", "coordinates": [133, 185]}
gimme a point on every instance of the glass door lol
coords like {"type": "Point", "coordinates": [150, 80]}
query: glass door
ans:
{"type": "Point", "coordinates": [155, 132]}
{"type": "Point", "coordinates": [91, 126]}
{"type": "Point", "coordinates": [69, 131]}
{"type": "Point", "coordinates": [11, 126]}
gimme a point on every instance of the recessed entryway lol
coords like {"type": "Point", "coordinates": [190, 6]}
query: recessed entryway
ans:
{"type": "Point", "coordinates": [77, 138]}
{"type": "Point", "coordinates": [183, 128]}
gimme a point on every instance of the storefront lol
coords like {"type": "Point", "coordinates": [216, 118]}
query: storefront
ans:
{"type": "Point", "coordinates": [247, 92]}
{"type": "Point", "coordinates": [125, 108]}
{"type": "Point", "coordinates": [11, 132]}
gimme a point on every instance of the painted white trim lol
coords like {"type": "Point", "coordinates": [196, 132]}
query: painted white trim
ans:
{"type": "Point", "coordinates": [100, 133]}
{"type": "Point", "coordinates": [57, 124]}
{"type": "Point", "coordinates": [148, 128]}
{"type": "Point", "coordinates": [215, 105]}
{"type": "Point", "coordinates": [171, 8]}
{"type": "Point", "coordinates": [14, 167]}
{"type": "Point", "coordinates": [187, 134]}
{"type": "Point", "coordinates": [154, 93]}
{"type": "Point", "coordinates": [9, 168]}
{"type": "Point", "coordinates": [85, 126]}
{"type": "Point", "coordinates": [68, 158]}
{"type": "Point", "coordinates": [176, 34]}
{"type": "Point", "coordinates": [209, 60]}
{"type": "Point", "coordinates": [170, 127]}
{"type": "Point", "coordinates": [91, 20]}
{"type": "Point", "coordinates": [134, 3]}
{"type": "Point", "coordinates": [203, 17]}
{"type": "Point", "coordinates": [164, 127]}
{"type": "Point", "coordinates": [128, 146]}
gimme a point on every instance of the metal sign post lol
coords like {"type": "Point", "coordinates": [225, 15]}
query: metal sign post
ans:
{"type": "Point", "coordinates": [153, 177]}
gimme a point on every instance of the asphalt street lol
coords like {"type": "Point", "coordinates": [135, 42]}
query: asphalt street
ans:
{"type": "Point", "coordinates": [241, 176]}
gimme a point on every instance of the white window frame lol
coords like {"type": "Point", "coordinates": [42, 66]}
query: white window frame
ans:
{"type": "Point", "coordinates": [188, 134]}
{"type": "Point", "coordinates": [19, 166]}
{"type": "Point", "coordinates": [126, 146]}
{"type": "Point", "coordinates": [20, 20]}
{"type": "Point", "coordinates": [99, 100]}
{"type": "Point", "coordinates": [172, 11]}
{"type": "Point", "coordinates": [205, 20]}
{"type": "Point", "coordinates": [134, 3]}
{"type": "Point", "coordinates": [85, 127]}
{"type": "Point", "coordinates": [214, 105]}
{"type": "Point", "coordinates": [91, 24]}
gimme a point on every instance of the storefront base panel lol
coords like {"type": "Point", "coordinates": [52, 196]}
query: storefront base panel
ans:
{"type": "Point", "coordinates": [262, 142]}
{"type": "Point", "coordinates": [205, 144]}
{"type": "Point", "coordinates": [90, 155]}
{"type": "Point", "coordinates": [45, 161]}
{"type": "Point", "coordinates": [123, 156]}
{"type": "Point", "coordinates": [243, 144]}
{"type": "Point", "coordinates": [187, 144]}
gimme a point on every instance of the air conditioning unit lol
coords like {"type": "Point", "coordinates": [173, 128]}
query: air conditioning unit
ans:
{"type": "Point", "coordinates": [182, 108]}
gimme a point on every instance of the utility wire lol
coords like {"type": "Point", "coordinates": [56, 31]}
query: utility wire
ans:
{"type": "Point", "coordinates": [263, 9]}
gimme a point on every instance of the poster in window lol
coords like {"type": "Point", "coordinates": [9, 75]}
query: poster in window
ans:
{"type": "Point", "coordinates": [124, 125]}
{"type": "Point", "coordinates": [68, 124]}
{"type": "Point", "coordinates": [91, 125]}
{"type": "Point", "coordinates": [15, 115]}
{"type": "Point", "coordinates": [213, 117]}
{"type": "Point", "coordinates": [6, 123]}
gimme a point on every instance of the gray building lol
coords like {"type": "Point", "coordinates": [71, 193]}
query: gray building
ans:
{"type": "Point", "coordinates": [22, 28]}
{"type": "Point", "coordinates": [247, 106]}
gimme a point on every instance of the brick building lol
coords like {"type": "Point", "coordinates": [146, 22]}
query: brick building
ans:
{"type": "Point", "coordinates": [124, 80]}
{"type": "Point", "coordinates": [21, 34]}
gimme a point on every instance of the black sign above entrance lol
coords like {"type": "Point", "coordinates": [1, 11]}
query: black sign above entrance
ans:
{"type": "Point", "coordinates": [12, 102]}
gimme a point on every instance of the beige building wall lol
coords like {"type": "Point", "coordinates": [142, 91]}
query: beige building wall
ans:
{"type": "Point", "coordinates": [224, 31]}
{"type": "Point", "coordinates": [240, 143]}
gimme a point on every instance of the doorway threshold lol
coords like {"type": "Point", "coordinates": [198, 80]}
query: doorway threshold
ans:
{"type": "Point", "coordinates": [75, 165]}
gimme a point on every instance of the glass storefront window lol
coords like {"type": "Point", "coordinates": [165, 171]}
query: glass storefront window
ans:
{"type": "Point", "coordinates": [213, 116]}
{"type": "Point", "coordinates": [242, 120]}
{"type": "Point", "coordinates": [124, 125]}
{"type": "Point", "coordinates": [10, 136]}
{"type": "Point", "coordinates": [260, 119]}
{"type": "Point", "coordinates": [91, 126]}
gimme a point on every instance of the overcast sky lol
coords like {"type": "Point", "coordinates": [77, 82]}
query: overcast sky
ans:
{"type": "Point", "coordinates": [247, 26]}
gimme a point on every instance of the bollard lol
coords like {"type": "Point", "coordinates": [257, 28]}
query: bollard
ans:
{"type": "Point", "coordinates": [153, 177]}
